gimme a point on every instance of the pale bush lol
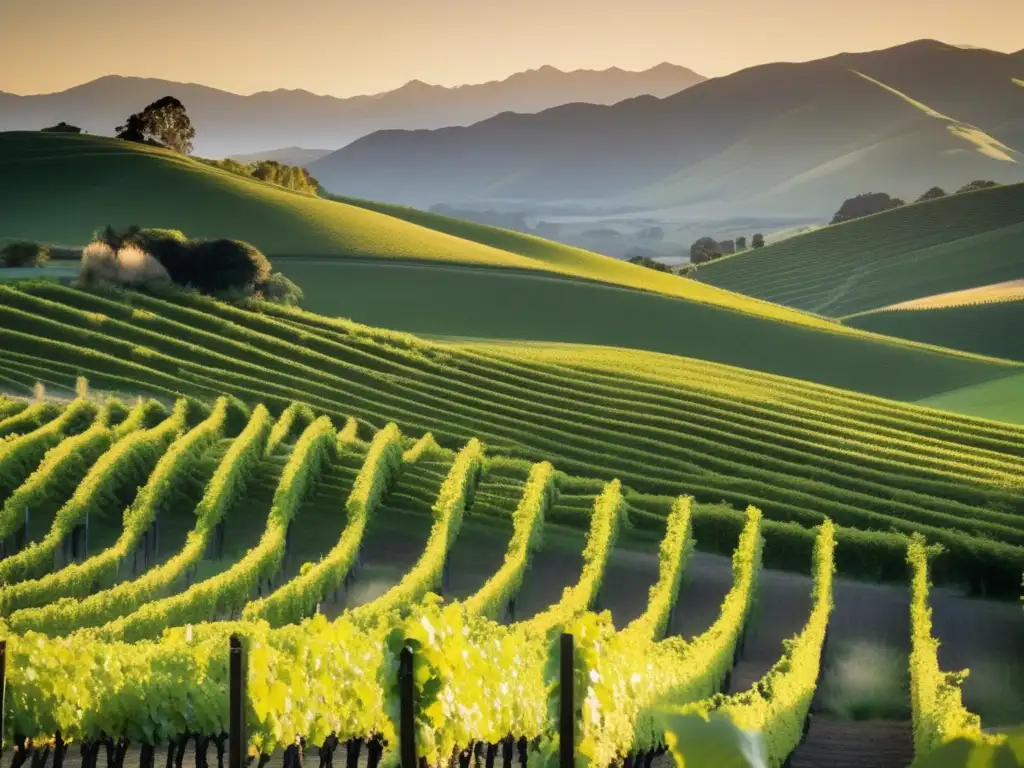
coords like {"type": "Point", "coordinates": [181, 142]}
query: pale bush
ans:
{"type": "Point", "coordinates": [129, 266]}
{"type": "Point", "coordinates": [99, 264]}
{"type": "Point", "coordinates": [137, 268]}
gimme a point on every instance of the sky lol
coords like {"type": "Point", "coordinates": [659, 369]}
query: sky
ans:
{"type": "Point", "coordinates": [350, 47]}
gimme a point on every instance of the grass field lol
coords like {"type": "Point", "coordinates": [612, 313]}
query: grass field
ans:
{"type": "Point", "coordinates": [987, 328]}
{"type": "Point", "coordinates": [1000, 400]}
{"type": "Point", "coordinates": [949, 244]}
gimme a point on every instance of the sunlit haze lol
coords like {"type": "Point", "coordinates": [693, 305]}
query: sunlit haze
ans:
{"type": "Point", "coordinates": [346, 48]}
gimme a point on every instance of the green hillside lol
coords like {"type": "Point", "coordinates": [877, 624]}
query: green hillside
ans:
{"type": "Point", "coordinates": [660, 424]}
{"type": "Point", "coordinates": [943, 245]}
{"type": "Point", "coordinates": [1002, 400]}
{"type": "Point", "coordinates": [989, 328]}
{"type": "Point", "coordinates": [408, 270]}
{"type": "Point", "coordinates": [59, 188]}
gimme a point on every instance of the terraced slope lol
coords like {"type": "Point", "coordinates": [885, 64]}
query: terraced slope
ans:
{"type": "Point", "coordinates": [949, 244]}
{"type": "Point", "coordinates": [661, 425]}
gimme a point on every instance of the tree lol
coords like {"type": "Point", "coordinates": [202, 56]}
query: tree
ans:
{"type": "Point", "coordinates": [741, 243]}
{"type": "Point", "coordinates": [865, 205]}
{"type": "Point", "coordinates": [24, 254]}
{"type": "Point", "coordinates": [932, 194]}
{"type": "Point", "coordinates": [974, 186]}
{"type": "Point", "coordinates": [758, 241]}
{"type": "Point", "coordinates": [164, 122]}
{"type": "Point", "coordinates": [115, 240]}
{"type": "Point", "coordinates": [647, 261]}
{"type": "Point", "coordinates": [704, 250]}
{"type": "Point", "coordinates": [62, 127]}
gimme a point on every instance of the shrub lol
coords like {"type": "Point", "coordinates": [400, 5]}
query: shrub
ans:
{"type": "Point", "coordinates": [99, 264]}
{"type": "Point", "coordinates": [865, 205]}
{"type": "Point", "coordinates": [130, 266]}
{"type": "Point", "coordinates": [932, 194]}
{"type": "Point", "coordinates": [154, 257]}
{"type": "Point", "coordinates": [24, 254]}
{"type": "Point", "coordinates": [222, 265]}
{"type": "Point", "coordinates": [973, 186]}
{"type": "Point", "coordinates": [758, 241]}
{"type": "Point", "coordinates": [741, 243]}
{"type": "Point", "coordinates": [62, 127]}
{"type": "Point", "coordinates": [280, 290]}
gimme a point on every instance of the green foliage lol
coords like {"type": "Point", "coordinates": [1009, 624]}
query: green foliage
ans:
{"type": "Point", "coordinates": [117, 472]}
{"type": "Point", "coordinates": [777, 705]}
{"type": "Point", "coordinates": [932, 194]}
{"type": "Point", "coordinates": [61, 127]}
{"type": "Point", "coordinates": [539, 495]}
{"type": "Point", "coordinates": [229, 590]}
{"type": "Point", "coordinates": [63, 603]}
{"type": "Point", "coordinates": [948, 244]}
{"type": "Point", "coordinates": [300, 596]}
{"type": "Point", "coordinates": [24, 254]}
{"type": "Point", "coordinates": [865, 205]}
{"type": "Point", "coordinates": [288, 176]}
{"type": "Point", "coordinates": [163, 123]}
{"type": "Point", "coordinates": [974, 186]}
{"type": "Point", "coordinates": [455, 496]}
{"type": "Point", "coordinates": [20, 454]}
{"type": "Point", "coordinates": [758, 241]}
{"type": "Point", "coordinates": [647, 261]}
{"type": "Point", "coordinates": [938, 711]}
{"type": "Point", "coordinates": [280, 290]}
{"type": "Point", "coordinates": [704, 250]}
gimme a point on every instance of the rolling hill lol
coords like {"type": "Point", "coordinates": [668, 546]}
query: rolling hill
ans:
{"type": "Point", "coordinates": [455, 278]}
{"type": "Point", "coordinates": [778, 139]}
{"type": "Point", "coordinates": [987, 328]}
{"type": "Point", "coordinates": [949, 244]}
{"type": "Point", "coordinates": [228, 123]}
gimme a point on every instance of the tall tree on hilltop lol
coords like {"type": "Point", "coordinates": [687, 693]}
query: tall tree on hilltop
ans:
{"type": "Point", "coordinates": [164, 122]}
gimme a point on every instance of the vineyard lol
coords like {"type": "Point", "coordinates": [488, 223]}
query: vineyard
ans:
{"type": "Point", "coordinates": [949, 244]}
{"type": "Point", "coordinates": [333, 495]}
{"type": "Point", "coordinates": [986, 328]}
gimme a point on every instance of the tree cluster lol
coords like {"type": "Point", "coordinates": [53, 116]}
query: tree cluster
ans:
{"type": "Point", "coordinates": [164, 123]}
{"type": "Point", "coordinates": [647, 261]}
{"type": "Point", "coordinates": [288, 176]}
{"type": "Point", "coordinates": [876, 202]}
{"type": "Point", "coordinates": [24, 253]}
{"type": "Point", "coordinates": [708, 249]}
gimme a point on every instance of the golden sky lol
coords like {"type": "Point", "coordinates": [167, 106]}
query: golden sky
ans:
{"type": "Point", "coordinates": [348, 47]}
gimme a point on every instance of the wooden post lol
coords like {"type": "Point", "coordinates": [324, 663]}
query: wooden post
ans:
{"type": "Point", "coordinates": [567, 706]}
{"type": "Point", "coordinates": [407, 724]}
{"type": "Point", "coordinates": [236, 703]}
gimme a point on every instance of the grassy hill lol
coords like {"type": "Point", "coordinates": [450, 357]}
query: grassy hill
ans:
{"type": "Point", "coordinates": [410, 270]}
{"type": "Point", "coordinates": [988, 328]}
{"type": "Point", "coordinates": [663, 425]}
{"type": "Point", "coordinates": [949, 244]}
{"type": "Point", "coordinates": [1002, 399]}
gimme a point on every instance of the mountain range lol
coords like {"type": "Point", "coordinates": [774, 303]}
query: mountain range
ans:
{"type": "Point", "coordinates": [782, 139]}
{"type": "Point", "coordinates": [232, 124]}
